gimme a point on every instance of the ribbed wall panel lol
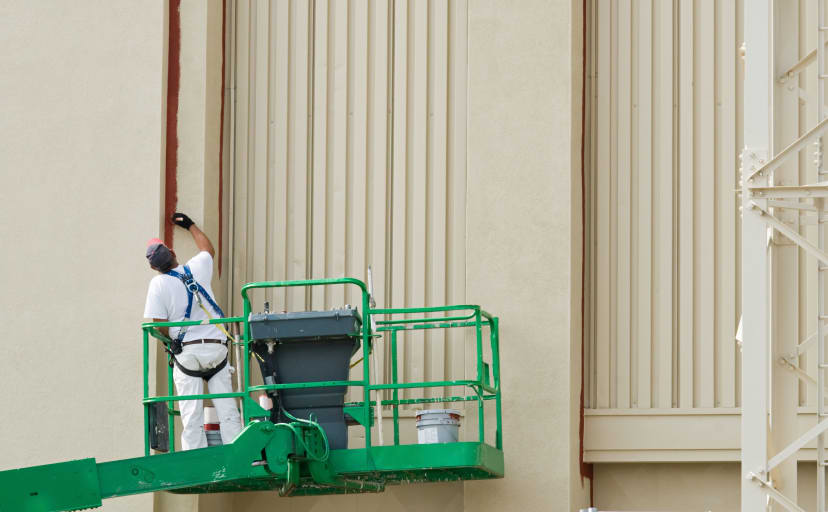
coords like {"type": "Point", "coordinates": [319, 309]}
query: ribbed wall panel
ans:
{"type": "Point", "coordinates": [662, 167]}
{"type": "Point", "coordinates": [350, 150]}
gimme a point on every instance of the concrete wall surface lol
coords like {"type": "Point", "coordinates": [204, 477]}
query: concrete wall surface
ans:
{"type": "Point", "coordinates": [688, 487]}
{"type": "Point", "coordinates": [676, 487]}
{"type": "Point", "coordinates": [523, 223]}
{"type": "Point", "coordinates": [81, 96]}
{"type": "Point", "coordinates": [712, 487]}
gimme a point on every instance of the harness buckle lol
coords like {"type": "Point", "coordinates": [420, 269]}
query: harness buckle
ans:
{"type": "Point", "coordinates": [190, 283]}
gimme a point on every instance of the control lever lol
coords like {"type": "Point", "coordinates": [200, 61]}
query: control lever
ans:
{"type": "Point", "coordinates": [371, 301]}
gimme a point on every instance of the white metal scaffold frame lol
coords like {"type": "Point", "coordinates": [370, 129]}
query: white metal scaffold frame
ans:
{"type": "Point", "coordinates": [760, 200]}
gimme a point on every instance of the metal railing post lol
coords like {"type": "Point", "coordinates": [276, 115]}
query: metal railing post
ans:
{"type": "Point", "coordinates": [246, 353]}
{"type": "Point", "coordinates": [171, 408]}
{"type": "Point", "coordinates": [146, 392]}
{"type": "Point", "coordinates": [494, 330]}
{"type": "Point", "coordinates": [396, 396]}
{"type": "Point", "coordinates": [478, 330]}
{"type": "Point", "coordinates": [366, 366]}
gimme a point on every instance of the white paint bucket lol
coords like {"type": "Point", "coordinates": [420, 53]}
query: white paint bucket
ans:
{"type": "Point", "coordinates": [212, 428]}
{"type": "Point", "coordinates": [438, 426]}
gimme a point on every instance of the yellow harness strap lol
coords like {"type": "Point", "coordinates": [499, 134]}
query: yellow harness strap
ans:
{"type": "Point", "coordinates": [220, 326]}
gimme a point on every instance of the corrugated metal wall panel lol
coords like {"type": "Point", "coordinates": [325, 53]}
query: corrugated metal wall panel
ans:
{"type": "Point", "coordinates": [726, 155]}
{"type": "Point", "coordinates": [350, 150]}
{"type": "Point", "coordinates": [662, 215]}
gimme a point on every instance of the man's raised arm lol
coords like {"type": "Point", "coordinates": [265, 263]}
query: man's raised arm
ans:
{"type": "Point", "coordinates": [200, 239]}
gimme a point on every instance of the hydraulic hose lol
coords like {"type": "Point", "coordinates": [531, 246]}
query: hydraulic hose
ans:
{"type": "Point", "coordinates": [312, 456]}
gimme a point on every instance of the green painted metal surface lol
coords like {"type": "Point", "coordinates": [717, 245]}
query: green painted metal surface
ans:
{"type": "Point", "coordinates": [362, 471]}
{"type": "Point", "coordinates": [63, 486]}
{"type": "Point", "coordinates": [291, 458]}
{"type": "Point", "coordinates": [357, 412]}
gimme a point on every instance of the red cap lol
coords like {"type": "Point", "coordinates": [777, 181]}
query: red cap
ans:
{"type": "Point", "coordinates": [153, 241]}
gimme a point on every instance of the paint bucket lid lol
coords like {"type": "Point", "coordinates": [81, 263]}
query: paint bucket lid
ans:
{"type": "Point", "coordinates": [436, 423]}
{"type": "Point", "coordinates": [438, 414]}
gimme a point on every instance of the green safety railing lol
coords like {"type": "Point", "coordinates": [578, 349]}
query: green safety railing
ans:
{"type": "Point", "coordinates": [485, 386]}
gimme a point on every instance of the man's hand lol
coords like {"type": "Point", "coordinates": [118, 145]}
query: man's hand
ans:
{"type": "Point", "coordinates": [181, 219]}
{"type": "Point", "coordinates": [163, 330]}
{"type": "Point", "coordinates": [200, 239]}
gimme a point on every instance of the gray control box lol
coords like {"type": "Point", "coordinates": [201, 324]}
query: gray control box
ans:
{"type": "Point", "coordinates": [305, 324]}
{"type": "Point", "coordinates": [309, 346]}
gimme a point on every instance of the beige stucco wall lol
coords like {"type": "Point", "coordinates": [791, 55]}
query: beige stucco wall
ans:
{"type": "Point", "coordinates": [523, 224]}
{"type": "Point", "coordinates": [712, 487]}
{"type": "Point", "coordinates": [688, 487]}
{"type": "Point", "coordinates": [82, 127]}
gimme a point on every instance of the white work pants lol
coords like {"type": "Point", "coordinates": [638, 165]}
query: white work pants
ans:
{"type": "Point", "coordinates": [202, 357]}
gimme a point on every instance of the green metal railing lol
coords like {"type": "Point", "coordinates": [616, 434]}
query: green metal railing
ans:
{"type": "Point", "coordinates": [461, 316]}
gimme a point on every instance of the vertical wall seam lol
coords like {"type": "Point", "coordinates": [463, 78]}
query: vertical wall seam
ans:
{"type": "Point", "coordinates": [429, 176]}
{"type": "Point", "coordinates": [268, 149]}
{"type": "Point", "coordinates": [251, 116]}
{"type": "Point", "coordinates": [389, 158]}
{"type": "Point", "coordinates": [231, 210]}
{"type": "Point", "coordinates": [447, 245]}
{"type": "Point", "coordinates": [613, 184]}
{"type": "Point", "coordinates": [348, 134]}
{"type": "Point", "coordinates": [585, 469]}
{"type": "Point", "coordinates": [310, 151]}
{"type": "Point", "coordinates": [173, 89]}
{"type": "Point", "coordinates": [222, 91]}
{"type": "Point", "coordinates": [290, 169]}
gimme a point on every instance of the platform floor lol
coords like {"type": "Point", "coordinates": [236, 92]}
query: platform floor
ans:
{"type": "Point", "coordinates": [388, 465]}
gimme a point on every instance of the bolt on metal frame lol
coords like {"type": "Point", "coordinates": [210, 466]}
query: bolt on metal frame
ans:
{"type": "Point", "coordinates": [760, 201]}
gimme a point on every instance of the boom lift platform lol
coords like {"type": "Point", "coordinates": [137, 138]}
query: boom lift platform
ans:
{"type": "Point", "coordinates": [279, 449]}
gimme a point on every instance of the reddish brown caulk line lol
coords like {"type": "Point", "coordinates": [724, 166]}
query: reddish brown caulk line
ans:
{"type": "Point", "coordinates": [586, 468]}
{"type": "Point", "coordinates": [173, 89]}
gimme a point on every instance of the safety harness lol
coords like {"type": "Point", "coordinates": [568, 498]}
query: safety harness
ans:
{"type": "Point", "coordinates": [194, 289]}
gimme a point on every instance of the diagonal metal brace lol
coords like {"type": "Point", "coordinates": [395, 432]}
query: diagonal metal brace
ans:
{"type": "Point", "coordinates": [790, 233]}
{"type": "Point", "coordinates": [780, 158]}
{"type": "Point", "coordinates": [775, 494]}
{"type": "Point", "coordinates": [799, 67]}
{"type": "Point", "coordinates": [798, 444]}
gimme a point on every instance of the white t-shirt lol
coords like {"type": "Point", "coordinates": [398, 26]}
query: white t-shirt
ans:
{"type": "Point", "coordinates": [167, 299]}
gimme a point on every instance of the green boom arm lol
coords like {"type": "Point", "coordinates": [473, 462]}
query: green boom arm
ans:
{"type": "Point", "coordinates": [265, 456]}
{"type": "Point", "coordinates": [84, 483]}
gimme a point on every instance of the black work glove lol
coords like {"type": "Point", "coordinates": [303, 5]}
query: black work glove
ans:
{"type": "Point", "coordinates": [181, 219]}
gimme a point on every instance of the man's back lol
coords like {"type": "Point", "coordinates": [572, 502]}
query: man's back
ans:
{"type": "Point", "coordinates": [167, 298]}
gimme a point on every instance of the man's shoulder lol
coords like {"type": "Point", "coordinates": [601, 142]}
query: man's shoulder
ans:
{"type": "Point", "coordinates": [158, 280]}
{"type": "Point", "coordinates": [201, 261]}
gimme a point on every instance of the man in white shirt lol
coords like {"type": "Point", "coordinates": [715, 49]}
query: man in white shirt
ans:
{"type": "Point", "coordinates": [204, 354]}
